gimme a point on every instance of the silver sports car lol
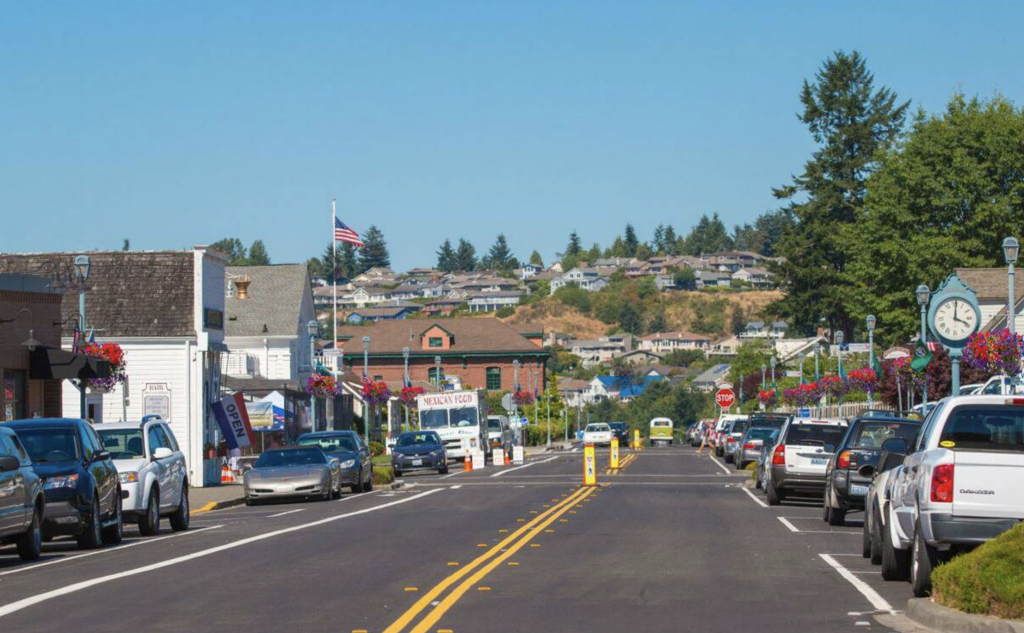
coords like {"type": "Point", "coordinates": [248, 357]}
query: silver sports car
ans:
{"type": "Point", "coordinates": [292, 472]}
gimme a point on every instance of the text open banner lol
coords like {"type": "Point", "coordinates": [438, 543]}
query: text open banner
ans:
{"type": "Point", "coordinates": [234, 421]}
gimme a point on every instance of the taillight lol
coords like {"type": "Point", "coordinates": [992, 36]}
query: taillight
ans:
{"type": "Point", "coordinates": [779, 456]}
{"type": "Point", "coordinates": [942, 484]}
{"type": "Point", "coordinates": [843, 461]}
{"type": "Point", "coordinates": [749, 446]}
{"type": "Point", "coordinates": [731, 439]}
{"type": "Point", "coordinates": [1015, 401]}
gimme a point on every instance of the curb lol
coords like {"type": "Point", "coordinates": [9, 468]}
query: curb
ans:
{"type": "Point", "coordinates": [218, 505]}
{"type": "Point", "coordinates": [395, 485]}
{"type": "Point", "coordinates": [935, 616]}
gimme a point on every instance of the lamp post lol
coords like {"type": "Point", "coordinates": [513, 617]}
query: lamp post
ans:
{"type": "Point", "coordinates": [407, 383]}
{"type": "Point", "coordinates": [838, 337]}
{"type": "Point", "coordinates": [515, 386]}
{"type": "Point", "coordinates": [82, 267]}
{"type": "Point", "coordinates": [773, 361]}
{"type": "Point", "coordinates": [1011, 248]}
{"type": "Point", "coordinates": [311, 328]}
{"type": "Point", "coordinates": [870, 321]}
{"type": "Point", "coordinates": [817, 350]}
{"type": "Point", "coordinates": [548, 391]}
{"type": "Point", "coordinates": [923, 296]}
{"type": "Point", "coordinates": [366, 376]}
{"type": "Point", "coordinates": [802, 356]}
{"type": "Point", "coordinates": [764, 368]}
{"type": "Point", "coordinates": [437, 373]}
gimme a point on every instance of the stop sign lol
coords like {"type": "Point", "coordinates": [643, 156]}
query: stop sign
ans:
{"type": "Point", "coordinates": [725, 397]}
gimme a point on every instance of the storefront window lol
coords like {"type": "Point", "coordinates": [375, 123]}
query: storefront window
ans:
{"type": "Point", "coordinates": [14, 394]}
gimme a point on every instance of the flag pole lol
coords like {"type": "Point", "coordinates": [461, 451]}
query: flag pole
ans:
{"type": "Point", "coordinates": [334, 269]}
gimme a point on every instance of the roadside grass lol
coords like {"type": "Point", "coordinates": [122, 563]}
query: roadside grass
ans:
{"type": "Point", "coordinates": [987, 581]}
{"type": "Point", "coordinates": [382, 475]}
{"type": "Point", "coordinates": [752, 469]}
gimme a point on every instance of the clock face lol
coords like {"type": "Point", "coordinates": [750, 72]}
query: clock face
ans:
{"type": "Point", "coordinates": [955, 319]}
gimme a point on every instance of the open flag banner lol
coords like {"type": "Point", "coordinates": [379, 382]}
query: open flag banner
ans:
{"type": "Point", "coordinates": [234, 421]}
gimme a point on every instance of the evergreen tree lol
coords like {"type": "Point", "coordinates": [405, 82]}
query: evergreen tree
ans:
{"type": "Point", "coordinates": [465, 256]}
{"type": "Point", "coordinates": [127, 245]}
{"type": "Point", "coordinates": [631, 241]}
{"type": "Point", "coordinates": [446, 258]}
{"type": "Point", "coordinates": [737, 322]}
{"type": "Point", "coordinates": [234, 249]}
{"type": "Point", "coordinates": [348, 261]}
{"type": "Point", "coordinates": [852, 123]}
{"type": "Point", "coordinates": [658, 241]}
{"type": "Point", "coordinates": [709, 235]}
{"type": "Point", "coordinates": [671, 241]}
{"type": "Point", "coordinates": [630, 319]}
{"type": "Point", "coordinates": [593, 254]}
{"type": "Point", "coordinates": [536, 259]}
{"type": "Point", "coordinates": [374, 253]}
{"type": "Point", "coordinates": [500, 258]}
{"type": "Point", "coordinates": [258, 255]}
{"type": "Point", "coordinates": [575, 246]}
{"type": "Point", "coordinates": [771, 226]}
{"type": "Point", "coordinates": [657, 323]}
{"type": "Point", "coordinates": [618, 248]}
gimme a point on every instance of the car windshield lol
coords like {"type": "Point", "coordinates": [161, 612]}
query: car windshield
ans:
{"type": "Point", "coordinates": [597, 428]}
{"type": "Point", "coordinates": [661, 423]}
{"type": "Point", "coordinates": [464, 417]}
{"type": "Point", "coordinates": [873, 434]}
{"type": "Point", "coordinates": [740, 426]}
{"type": "Point", "coordinates": [415, 439]}
{"type": "Point", "coordinates": [822, 434]}
{"type": "Point", "coordinates": [434, 419]}
{"type": "Point", "coordinates": [493, 424]}
{"type": "Point", "coordinates": [760, 434]}
{"type": "Point", "coordinates": [291, 457]}
{"type": "Point", "coordinates": [618, 426]}
{"type": "Point", "coordinates": [50, 445]}
{"type": "Point", "coordinates": [124, 443]}
{"type": "Point", "coordinates": [331, 443]}
{"type": "Point", "coordinates": [983, 428]}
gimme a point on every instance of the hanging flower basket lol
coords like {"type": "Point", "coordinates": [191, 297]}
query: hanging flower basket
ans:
{"type": "Point", "coordinates": [808, 394]}
{"type": "Point", "coordinates": [376, 392]}
{"type": "Point", "coordinates": [834, 386]}
{"type": "Point", "coordinates": [996, 352]}
{"type": "Point", "coordinates": [864, 379]}
{"type": "Point", "coordinates": [113, 354]}
{"type": "Point", "coordinates": [905, 374]}
{"type": "Point", "coordinates": [321, 386]}
{"type": "Point", "coordinates": [767, 397]}
{"type": "Point", "coordinates": [409, 394]}
{"type": "Point", "coordinates": [522, 398]}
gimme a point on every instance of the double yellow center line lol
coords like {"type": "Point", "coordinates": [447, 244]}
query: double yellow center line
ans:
{"type": "Point", "coordinates": [484, 564]}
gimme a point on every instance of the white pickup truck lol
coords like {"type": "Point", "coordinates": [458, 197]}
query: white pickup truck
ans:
{"type": "Point", "coordinates": [959, 485]}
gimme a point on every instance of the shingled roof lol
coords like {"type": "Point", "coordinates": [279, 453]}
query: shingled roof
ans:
{"type": "Point", "coordinates": [471, 335]}
{"type": "Point", "coordinates": [990, 284]}
{"type": "Point", "coordinates": [274, 303]}
{"type": "Point", "coordinates": [148, 293]}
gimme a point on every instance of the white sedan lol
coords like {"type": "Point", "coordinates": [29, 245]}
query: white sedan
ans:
{"type": "Point", "coordinates": [597, 434]}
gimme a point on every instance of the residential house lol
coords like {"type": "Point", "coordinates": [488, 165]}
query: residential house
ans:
{"type": "Point", "coordinates": [757, 277]}
{"type": "Point", "coordinates": [758, 329]}
{"type": "Point", "coordinates": [596, 351]}
{"type": "Point", "coordinates": [363, 296]}
{"type": "Point", "coordinates": [323, 296]}
{"type": "Point", "coordinates": [992, 288]}
{"type": "Point", "coordinates": [574, 392]}
{"type": "Point", "coordinates": [710, 379]}
{"type": "Point", "coordinates": [728, 346]}
{"type": "Point", "coordinates": [667, 342]}
{"type": "Point", "coordinates": [166, 311]}
{"type": "Point", "coordinates": [639, 357]}
{"type": "Point", "coordinates": [493, 301]}
{"type": "Point", "coordinates": [376, 277]}
{"type": "Point", "coordinates": [561, 339]}
{"type": "Point", "coordinates": [441, 307]}
{"type": "Point", "coordinates": [487, 284]}
{"type": "Point", "coordinates": [608, 265]}
{"type": "Point", "coordinates": [528, 271]}
{"type": "Point", "coordinates": [586, 278]}
{"type": "Point", "coordinates": [732, 261]}
{"type": "Point", "coordinates": [379, 313]}
{"type": "Point", "coordinates": [712, 279]}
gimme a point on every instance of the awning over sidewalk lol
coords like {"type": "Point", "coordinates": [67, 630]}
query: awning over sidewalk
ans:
{"type": "Point", "coordinates": [47, 363]}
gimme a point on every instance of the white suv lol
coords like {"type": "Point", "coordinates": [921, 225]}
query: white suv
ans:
{"type": "Point", "coordinates": [154, 481]}
{"type": "Point", "coordinates": [958, 487]}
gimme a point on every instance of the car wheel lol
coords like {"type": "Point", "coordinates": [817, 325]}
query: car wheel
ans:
{"type": "Point", "coordinates": [875, 534]}
{"type": "Point", "coordinates": [757, 483]}
{"type": "Point", "coordinates": [30, 543]}
{"type": "Point", "coordinates": [865, 541]}
{"type": "Point", "coordinates": [369, 482]}
{"type": "Point", "coordinates": [924, 558]}
{"type": "Point", "coordinates": [358, 486]}
{"type": "Point", "coordinates": [114, 534]}
{"type": "Point", "coordinates": [149, 522]}
{"type": "Point", "coordinates": [182, 516]}
{"type": "Point", "coordinates": [774, 498]}
{"type": "Point", "coordinates": [92, 536]}
{"type": "Point", "coordinates": [443, 470]}
{"type": "Point", "coordinates": [895, 562]}
{"type": "Point", "coordinates": [250, 502]}
{"type": "Point", "coordinates": [836, 517]}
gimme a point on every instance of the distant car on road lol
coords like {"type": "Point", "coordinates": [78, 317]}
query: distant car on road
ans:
{"type": "Point", "coordinates": [661, 431]}
{"type": "Point", "coordinates": [21, 498]}
{"type": "Point", "coordinates": [597, 433]}
{"type": "Point", "coordinates": [287, 473]}
{"type": "Point", "coordinates": [153, 474]}
{"type": "Point", "coordinates": [419, 450]}
{"type": "Point", "coordinates": [621, 431]}
{"type": "Point", "coordinates": [355, 463]}
{"type": "Point", "coordinates": [733, 434]}
{"type": "Point", "coordinates": [80, 482]}
{"type": "Point", "coordinates": [800, 456]}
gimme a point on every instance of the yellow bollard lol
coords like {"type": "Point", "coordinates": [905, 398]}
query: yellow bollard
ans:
{"type": "Point", "coordinates": [614, 453]}
{"type": "Point", "coordinates": [636, 439]}
{"type": "Point", "coordinates": [589, 466]}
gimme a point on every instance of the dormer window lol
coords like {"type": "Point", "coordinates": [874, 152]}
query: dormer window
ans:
{"type": "Point", "coordinates": [435, 342]}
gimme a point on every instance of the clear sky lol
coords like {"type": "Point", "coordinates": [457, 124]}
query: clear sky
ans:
{"type": "Point", "coordinates": [178, 123]}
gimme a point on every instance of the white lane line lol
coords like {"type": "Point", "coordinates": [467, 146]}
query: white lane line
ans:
{"type": "Point", "coordinates": [792, 528]}
{"type": "Point", "coordinates": [111, 550]}
{"type": "Point", "coordinates": [457, 472]}
{"type": "Point", "coordinates": [281, 514]}
{"type": "Point", "coordinates": [18, 605]}
{"type": "Point", "coordinates": [543, 461]}
{"type": "Point", "coordinates": [756, 500]}
{"type": "Point", "coordinates": [876, 600]}
{"type": "Point", "coordinates": [455, 487]}
{"type": "Point", "coordinates": [721, 465]}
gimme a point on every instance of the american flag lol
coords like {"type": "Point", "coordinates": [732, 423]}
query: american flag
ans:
{"type": "Point", "coordinates": [342, 233]}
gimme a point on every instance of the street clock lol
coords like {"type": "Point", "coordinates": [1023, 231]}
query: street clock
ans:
{"type": "Point", "coordinates": [953, 316]}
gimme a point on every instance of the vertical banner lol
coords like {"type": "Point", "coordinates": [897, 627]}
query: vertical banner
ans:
{"type": "Point", "coordinates": [614, 453]}
{"type": "Point", "coordinates": [234, 421]}
{"type": "Point", "coordinates": [589, 466]}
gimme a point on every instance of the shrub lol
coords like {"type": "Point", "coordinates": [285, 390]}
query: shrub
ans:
{"type": "Point", "coordinates": [504, 313]}
{"type": "Point", "coordinates": [376, 448]}
{"type": "Point", "coordinates": [987, 581]}
{"type": "Point", "coordinates": [383, 475]}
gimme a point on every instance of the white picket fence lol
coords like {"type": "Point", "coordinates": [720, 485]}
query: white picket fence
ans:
{"type": "Point", "coordinates": [844, 410]}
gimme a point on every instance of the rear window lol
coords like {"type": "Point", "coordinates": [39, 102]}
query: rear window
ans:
{"type": "Point", "coordinates": [818, 434]}
{"type": "Point", "coordinates": [661, 423]}
{"type": "Point", "coordinates": [984, 428]}
{"type": "Point", "coordinates": [873, 434]}
{"type": "Point", "coordinates": [493, 424]}
{"type": "Point", "coordinates": [740, 426]}
{"type": "Point", "coordinates": [774, 421]}
{"type": "Point", "coordinates": [760, 434]}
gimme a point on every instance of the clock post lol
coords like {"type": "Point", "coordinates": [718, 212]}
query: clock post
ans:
{"type": "Point", "coordinates": [953, 317]}
{"type": "Point", "coordinates": [954, 359]}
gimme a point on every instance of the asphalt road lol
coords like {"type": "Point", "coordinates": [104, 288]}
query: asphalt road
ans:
{"type": "Point", "coordinates": [671, 542]}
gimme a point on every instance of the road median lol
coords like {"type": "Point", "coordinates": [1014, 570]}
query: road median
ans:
{"type": "Point", "coordinates": [930, 614]}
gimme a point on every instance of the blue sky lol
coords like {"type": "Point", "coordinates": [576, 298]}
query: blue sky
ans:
{"type": "Point", "coordinates": [179, 123]}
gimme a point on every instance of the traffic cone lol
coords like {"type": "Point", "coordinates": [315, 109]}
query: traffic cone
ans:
{"type": "Point", "coordinates": [225, 475]}
{"type": "Point", "coordinates": [467, 463]}
{"type": "Point", "coordinates": [508, 458]}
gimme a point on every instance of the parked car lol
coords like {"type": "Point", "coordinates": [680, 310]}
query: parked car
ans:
{"type": "Point", "coordinates": [355, 463]}
{"type": "Point", "coordinates": [958, 486]}
{"type": "Point", "coordinates": [748, 449]}
{"type": "Point", "coordinates": [499, 434]}
{"type": "Point", "coordinates": [620, 430]}
{"type": "Point", "coordinates": [287, 473]}
{"type": "Point", "coordinates": [419, 450]}
{"type": "Point", "coordinates": [733, 434]}
{"type": "Point", "coordinates": [21, 498]}
{"type": "Point", "coordinates": [152, 471]}
{"type": "Point", "coordinates": [846, 486]}
{"type": "Point", "coordinates": [80, 482]}
{"type": "Point", "coordinates": [661, 431]}
{"type": "Point", "coordinates": [877, 499]}
{"type": "Point", "coordinates": [800, 456]}
{"type": "Point", "coordinates": [597, 433]}
{"type": "Point", "coordinates": [764, 457]}
{"type": "Point", "coordinates": [718, 435]}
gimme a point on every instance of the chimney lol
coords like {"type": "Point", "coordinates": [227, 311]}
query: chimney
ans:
{"type": "Point", "coordinates": [242, 288]}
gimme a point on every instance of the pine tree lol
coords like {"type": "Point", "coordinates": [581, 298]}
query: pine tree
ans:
{"type": "Point", "coordinates": [737, 322]}
{"type": "Point", "coordinates": [374, 253]}
{"type": "Point", "coordinates": [499, 258]}
{"type": "Point", "coordinates": [234, 249]}
{"type": "Point", "coordinates": [657, 323]}
{"type": "Point", "coordinates": [593, 254]}
{"type": "Point", "coordinates": [658, 241]}
{"type": "Point", "coordinates": [446, 260]}
{"type": "Point", "coordinates": [670, 241]}
{"type": "Point", "coordinates": [127, 246]}
{"type": "Point", "coordinates": [348, 261]}
{"type": "Point", "coordinates": [465, 256]}
{"type": "Point", "coordinates": [630, 240]}
{"type": "Point", "coordinates": [258, 255]}
{"type": "Point", "coordinates": [536, 259]}
{"type": "Point", "coordinates": [575, 246]}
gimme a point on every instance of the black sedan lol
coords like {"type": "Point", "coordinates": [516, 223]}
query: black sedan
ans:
{"type": "Point", "coordinates": [80, 482]}
{"type": "Point", "coordinates": [846, 479]}
{"type": "Point", "coordinates": [621, 431]}
{"type": "Point", "coordinates": [353, 456]}
{"type": "Point", "coordinates": [419, 450]}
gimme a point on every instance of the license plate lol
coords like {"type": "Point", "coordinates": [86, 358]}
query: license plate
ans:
{"type": "Point", "coordinates": [284, 488]}
{"type": "Point", "coordinates": [819, 462]}
{"type": "Point", "coordinates": [858, 489]}
{"type": "Point", "coordinates": [417, 462]}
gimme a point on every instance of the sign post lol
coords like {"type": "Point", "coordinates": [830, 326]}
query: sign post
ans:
{"type": "Point", "coordinates": [589, 466]}
{"type": "Point", "coordinates": [614, 453]}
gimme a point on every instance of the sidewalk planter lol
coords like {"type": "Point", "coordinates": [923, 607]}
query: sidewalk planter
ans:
{"type": "Point", "coordinates": [935, 616]}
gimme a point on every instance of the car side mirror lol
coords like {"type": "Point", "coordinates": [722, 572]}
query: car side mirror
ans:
{"type": "Point", "coordinates": [9, 463]}
{"type": "Point", "coordinates": [896, 445]}
{"type": "Point", "coordinates": [162, 453]}
{"type": "Point", "coordinates": [101, 456]}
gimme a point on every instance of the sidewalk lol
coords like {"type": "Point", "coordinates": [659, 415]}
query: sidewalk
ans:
{"type": "Point", "coordinates": [215, 497]}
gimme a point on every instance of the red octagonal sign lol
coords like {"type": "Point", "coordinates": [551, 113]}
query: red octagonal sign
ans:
{"type": "Point", "coordinates": [725, 397]}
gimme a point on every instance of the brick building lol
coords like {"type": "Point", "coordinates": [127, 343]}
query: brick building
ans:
{"type": "Point", "coordinates": [29, 312]}
{"type": "Point", "coordinates": [479, 352]}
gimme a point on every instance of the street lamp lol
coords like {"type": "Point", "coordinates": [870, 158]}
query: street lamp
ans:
{"type": "Point", "coordinates": [366, 376]}
{"type": "Point", "coordinates": [82, 267]}
{"type": "Point", "coordinates": [871, 350]}
{"type": "Point", "coordinates": [437, 373]}
{"type": "Point", "coordinates": [773, 372]}
{"type": "Point", "coordinates": [763, 370]}
{"type": "Point", "coordinates": [802, 356]}
{"type": "Point", "coordinates": [923, 296]}
{"type": "Point", "coordinates": [1011, 248]}
{"type": "Point", "coordinates": [406, 383]}
{"type": "Point", "coordinates": [31, 343]}
{"type": "Point", "coordinates": [839, 337]}
{"type": "Point", "coordinates": [312, 328]}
